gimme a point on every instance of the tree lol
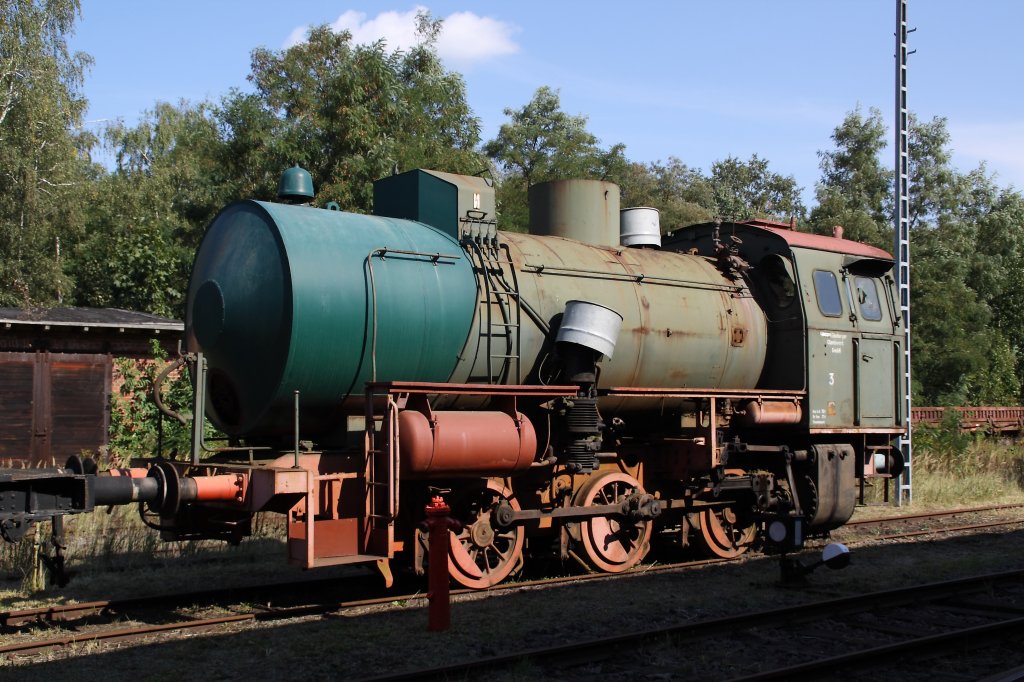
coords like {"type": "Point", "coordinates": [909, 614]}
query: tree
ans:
{"type": "Point", "coordinates": [146, 217]}
{"type": "Point", "coordinates": [965, 285]}
{"type": "Point", "coordinates": [541, 142]}
{"type": "Point", "coordinates": [42, 148]}
{"type": "Point", "coordinates": [951, 339]}
{"type": "Point", "coordinates": [350, 114]}
{"type": "Point", "coordinates": [854, 189]}
{"type": "Point", "coordinates": [747, 189]}
{"type": "Point", "coordinates": [682, 194]}
{"type": "Point", "coordinates": [936, 190]}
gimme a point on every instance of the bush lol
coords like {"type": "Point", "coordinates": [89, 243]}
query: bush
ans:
{"type": "Point", "coordinates": [135, 420]}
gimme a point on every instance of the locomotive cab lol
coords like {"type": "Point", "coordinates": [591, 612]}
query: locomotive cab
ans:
{"type": "Point", "coordinates": [834, 329]}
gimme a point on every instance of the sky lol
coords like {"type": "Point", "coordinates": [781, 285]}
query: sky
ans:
{"type": "Point", "coordinates": [693, 79]}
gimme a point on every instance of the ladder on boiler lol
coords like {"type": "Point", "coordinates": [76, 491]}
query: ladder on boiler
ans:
{"type": "Point", "coordinates": [500, 320]}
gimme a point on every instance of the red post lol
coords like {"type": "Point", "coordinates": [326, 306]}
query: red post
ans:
{"type": "Point", "coordinates": [438, 524]}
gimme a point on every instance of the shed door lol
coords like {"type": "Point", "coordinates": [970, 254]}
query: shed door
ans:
{"type": "Point", "coordinates": [17, 371]}
{"type": "Point", "coordinates": [52, 406]}
{"type": "Point", "coordinates": [79, 399]}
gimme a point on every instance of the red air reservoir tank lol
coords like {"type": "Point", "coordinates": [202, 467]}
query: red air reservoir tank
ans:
{"type": "Point", "coordinates": [465, 443]}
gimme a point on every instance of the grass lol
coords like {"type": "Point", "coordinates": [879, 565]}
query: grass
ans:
{"type": "Point", "coordinates": [953, 469]}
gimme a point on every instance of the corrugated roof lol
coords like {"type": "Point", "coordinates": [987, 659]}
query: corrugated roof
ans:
{"type": "Point", "coordinates": [88, 317]}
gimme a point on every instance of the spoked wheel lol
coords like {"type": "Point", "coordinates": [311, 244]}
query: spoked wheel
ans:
{"type": "Point", "coordinates": [481, 555]}
{"type": "Point", "coordinates": [724, 533]}
{"type": "Point", "coordinates": [611, 543]}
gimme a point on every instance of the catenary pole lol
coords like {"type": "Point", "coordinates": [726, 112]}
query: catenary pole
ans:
{"type": "Point", "coordinates": [904, 489]}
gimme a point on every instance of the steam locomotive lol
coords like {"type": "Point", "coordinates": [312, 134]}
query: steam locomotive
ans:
{"type": "Point", "coordinates": [583, 390]}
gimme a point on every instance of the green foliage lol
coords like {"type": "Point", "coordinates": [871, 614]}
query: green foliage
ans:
{"type": "Point", "coordinates": [42, 161]}
{"type": "Point", "coordinates": [935, 189]}
{"type": "Point", "coordinates": [349, 114]}
{"type": "Point", "coordinates": [943, 448]}
{"type": "Point", "coordinates": [854, 189]}
{"type": "Point", "coordinates": [542, 142]}
{"type": "Point", "coordinates": [951, 340]}
{"type": "Point", "coordinates": [965, 466]}
{"type": "Point", "coordinates": [145, 219]}
{"type": "Point", "coordinates": [748, 189]}
{"type": "Point", "coordinates": [682, 194]}
{"type": "Point", "coordinates": [134, 416]}
{"type": "Point", "coordinates": [966, 297]}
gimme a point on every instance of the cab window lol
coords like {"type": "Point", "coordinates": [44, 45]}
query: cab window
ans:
{"type": "Point", "coordinates": [826, 288]}
{"type": "Point", "coordinates": [867, 298]}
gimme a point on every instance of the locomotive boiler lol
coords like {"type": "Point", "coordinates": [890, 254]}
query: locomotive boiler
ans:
{"type": "Point", "coordinates": [582, 390]}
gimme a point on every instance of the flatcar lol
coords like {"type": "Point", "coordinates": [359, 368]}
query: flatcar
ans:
{"type": "Point", "coordinates": [583, 390]}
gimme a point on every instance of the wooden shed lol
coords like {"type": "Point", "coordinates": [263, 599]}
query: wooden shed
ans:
{"type": "Point", "coordinates": [56, 366]}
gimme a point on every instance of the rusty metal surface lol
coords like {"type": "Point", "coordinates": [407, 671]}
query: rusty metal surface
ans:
{"type": "Point", "coordinates": [680, 316]}
{"type": "Point", "coordinates": [757, 412]}
{"type": "Point", "coordinates": [821, 242]}
{"type": "Point", "coordinates": [993, 419]}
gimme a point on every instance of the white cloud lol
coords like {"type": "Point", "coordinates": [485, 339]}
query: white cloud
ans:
{"type": "Point", "coordinates": [1000, 145]}
{"type": "Point", "coordinates": [398, 29]}
{"type": "Point", "coordinates": [466, 38]}
{"type": "Point", "coordinates": [297, 35]}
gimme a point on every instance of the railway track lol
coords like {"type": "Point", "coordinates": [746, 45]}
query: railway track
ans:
{"type": "Point", "coordinates": [990, 607]}
{"type": "Point", "coordinates": [334, 595]}
{"type": "Point", "coordinates": [123, 609]}
{"type": "Point", "coordinates": [927, 519]}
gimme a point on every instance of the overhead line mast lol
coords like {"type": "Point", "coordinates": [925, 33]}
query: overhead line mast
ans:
{"type": "Point", "coordinates": [904, 490]}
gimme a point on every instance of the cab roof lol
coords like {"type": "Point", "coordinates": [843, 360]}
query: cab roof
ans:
{"type": "Point", "coordinates": [820, 242]}
{"type": "Point", "coordinates": [770, 231]}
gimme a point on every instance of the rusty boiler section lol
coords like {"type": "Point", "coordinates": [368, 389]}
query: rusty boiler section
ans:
{"type": "Point", "coordinates": [684, 323]}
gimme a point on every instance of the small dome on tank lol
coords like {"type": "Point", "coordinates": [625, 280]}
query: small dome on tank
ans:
{"type": "Point", "coordinates": [296, 185]}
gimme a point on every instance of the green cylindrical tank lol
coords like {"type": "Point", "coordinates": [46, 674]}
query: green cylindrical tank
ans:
{"type": "Point", "coordinates": [285, 298]}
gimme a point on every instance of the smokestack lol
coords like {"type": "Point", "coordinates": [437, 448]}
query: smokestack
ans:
{"type": "Point", "coordinates": [837, 231]}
